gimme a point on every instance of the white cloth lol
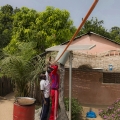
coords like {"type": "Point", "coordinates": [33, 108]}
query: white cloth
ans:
{"type": "Point", "coordinates": [45, 86]}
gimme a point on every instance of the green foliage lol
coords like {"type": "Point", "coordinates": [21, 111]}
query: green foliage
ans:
{"type": "Point", "coordinates": [75, 107]}
{"type": "Point", "coordinates": [39, 65]}
{"type": "Point", "coordinates": [19, 67]}
{"type": "Point", "coordinates": [23, 28]}
{"type": "Point", "coordinates": [94, 25]}
{"type": "Point", "coordinates": [47, 28]}
{"type": "Point", "coordinates": [6, 19]}
{"type": "Point", "coordinates": [56, 24]}
{"type": "Point", "coordinates": [115, 34]}
{"type": "Point", "coordinates": [25, 50]}
{"type": "Point", "coordinates": [19, 71]}
{"type": "Point", "coordinates": [112, 113]}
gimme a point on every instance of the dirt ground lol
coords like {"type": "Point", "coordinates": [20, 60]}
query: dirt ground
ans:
{"type": "Point", "coordinates": [95, 109]}
{"type": "Point", "coordinates": [6, 108]}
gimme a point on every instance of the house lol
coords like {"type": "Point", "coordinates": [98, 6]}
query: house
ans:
{"type": "Point", "coordinates": [95, 87]}
{"type": "Point", "coordinates": [100, 85]}
{"type": "Point", "coordinates": [105, 54]}
{"type": "Point", "coordinates": [102, 43]}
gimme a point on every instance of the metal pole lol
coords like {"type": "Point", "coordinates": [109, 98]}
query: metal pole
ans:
{"type": "Point", "coordinates": [70, 83]}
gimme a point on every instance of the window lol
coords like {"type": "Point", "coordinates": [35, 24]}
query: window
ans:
{"type": "Point", "coordinates": [111, 77]}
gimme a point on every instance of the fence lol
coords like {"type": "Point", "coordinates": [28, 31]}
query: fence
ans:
{"type": "Point", "coordinates": [5, 86]}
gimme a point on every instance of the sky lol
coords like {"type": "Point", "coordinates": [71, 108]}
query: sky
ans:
{"type": "Point", "coordinates": [106, 10]}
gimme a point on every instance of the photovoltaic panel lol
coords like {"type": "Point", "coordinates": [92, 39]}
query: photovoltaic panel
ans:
{"type": "Point", "coordinates": [71, 47]}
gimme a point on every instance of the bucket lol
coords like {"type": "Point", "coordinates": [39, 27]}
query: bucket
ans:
{"type": "Point", "coordinates": [24, 109]}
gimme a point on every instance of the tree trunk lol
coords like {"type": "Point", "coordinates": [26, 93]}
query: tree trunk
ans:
{"type": "Point", "coordinates": [62, 112]}
{"type": "Point", "coordinates": [31, 88]}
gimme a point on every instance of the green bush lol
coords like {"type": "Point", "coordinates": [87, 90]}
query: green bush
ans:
{"type": "Point", "coordinates": [76, 108]}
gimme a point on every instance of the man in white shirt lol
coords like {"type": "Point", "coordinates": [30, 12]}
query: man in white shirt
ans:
{"type": "Point", "coordinates": [45, 91]}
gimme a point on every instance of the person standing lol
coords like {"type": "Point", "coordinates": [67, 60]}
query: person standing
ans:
{"type": "Point", "coordinates": [54, 94]}
{"type": "Point", "coordinates": [45, 92]}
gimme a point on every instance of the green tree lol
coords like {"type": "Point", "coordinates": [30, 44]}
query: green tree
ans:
{"type": "Point", "coordinates": [20, 68]}
{"type": "Point", "coordinates": [56, 25]}
{"type": "Point", "coordinates": [16, 10]}
{"type": "Point", "coordinates": [23, 28]}
{"type": "Point", "coordinates": [6, 20]}
{"type": "Point", "coordinates": [50, 27]}
{"type": "Point", "coordinates": [115, 34]}
{"type": "Point", "coordinates": [96, 26]}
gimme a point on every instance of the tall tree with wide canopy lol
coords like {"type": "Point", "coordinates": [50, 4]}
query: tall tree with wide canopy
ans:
{"type": "Point", "coordinates": [50, 27]}
{"type": "Point", "coordinates": [23, 28]}
{"type": "Point", "coordinates": [56, 24]}
{"type": "Point", "coordinates": [6, 20]}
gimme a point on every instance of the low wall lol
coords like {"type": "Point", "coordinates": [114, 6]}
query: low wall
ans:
{"type": "Point", "coordinates": [88, 88]}
{"type": "Point", "coordinates": [6, 86]}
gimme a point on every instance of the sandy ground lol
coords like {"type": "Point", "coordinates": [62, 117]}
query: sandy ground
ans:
{"type": "Point", "coordinates": [6, 109]}
{"type": "Point", "coordinates": [96, 110]}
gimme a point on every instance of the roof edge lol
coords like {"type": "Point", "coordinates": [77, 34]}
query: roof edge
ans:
{"type": "Point", "coordinates": [88, 33]}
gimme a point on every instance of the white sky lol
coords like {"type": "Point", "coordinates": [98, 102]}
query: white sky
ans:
{"type": "Point", "coordinates": [106, 10]}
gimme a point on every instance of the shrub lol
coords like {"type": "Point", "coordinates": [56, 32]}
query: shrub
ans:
{"type": "Point", "coordinates": [112, 112]}
{"type": "Point", "coordinates": [85, 67]}
{"type": "Point", "coordinates": [76, 108]}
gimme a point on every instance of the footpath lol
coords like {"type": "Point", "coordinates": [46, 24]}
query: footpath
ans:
{"type": "Point", "coordinates": [6, 107]}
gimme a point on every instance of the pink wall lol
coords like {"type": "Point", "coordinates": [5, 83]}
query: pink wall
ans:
{"type": "Point", "coordinates": [102, 44]}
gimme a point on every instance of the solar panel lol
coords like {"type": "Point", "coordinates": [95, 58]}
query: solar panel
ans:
{"type": "Point", "coordinates": [71, 47]}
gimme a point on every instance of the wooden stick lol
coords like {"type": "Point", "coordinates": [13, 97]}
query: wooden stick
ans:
{"type": "Point", "coordinates": [84, 20]}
